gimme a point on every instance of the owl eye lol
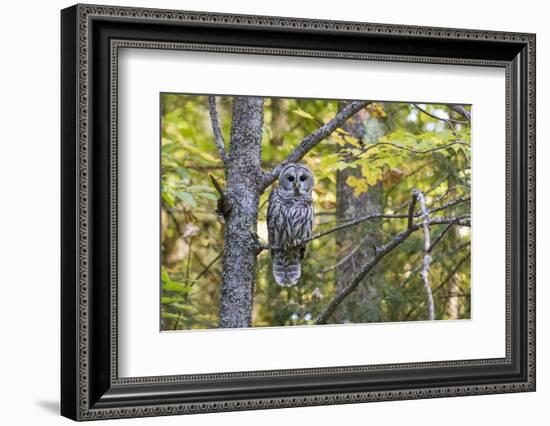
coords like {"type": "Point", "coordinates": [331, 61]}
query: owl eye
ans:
{"type": "Point", "coordinates": [303, 177]}
{"type": "Point", "coordinates": [290, 178]}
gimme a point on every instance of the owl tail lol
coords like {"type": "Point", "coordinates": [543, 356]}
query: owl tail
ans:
{"type": "Point", "coordinates": [287, 266]}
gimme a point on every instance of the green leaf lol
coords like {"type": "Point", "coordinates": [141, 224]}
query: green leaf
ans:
{"type": "Point", "coordinates": [187, 198]}
{"type": "Point", "coordinates": [329, 160]}
{"type": "Point", "coordinates": [175, 287]}
{"type": "Point", "coordinates": [168, 198]}
{"type": "Point", "coordinates": [168, 300]}
{"type": "Point", "coordinates": [400, 137]}
{"type": "Point", "coordinates": [182, 172]}
{"type": "Point", "coordinates": [201, 188]}
{"type": "Point", "coordinates": [302, 113]}
{"type": "Point", "coordinates": [342, 165]}
{"type": "Point", "coordinates": [170, 147]}
{"type": "Point", "coordinates": [391, 161]}
{"type": "Point", "coordinates": [164, 275]}
{"type": "Point", "coordinates": [170, 315]}
{"type": "Point", "coordinates": [208, 195]}
{"type": "Point", "coordinates": [182, 307]}
{"type": "Point", "coordinates": [371, 173]}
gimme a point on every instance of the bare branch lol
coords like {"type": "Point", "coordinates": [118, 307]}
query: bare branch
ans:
{"type": "Point", "coordinates": [448, 296]}
{"type": "Point", "coordinates": [380, 254]}
{"type": "Point", "coordinates": [311, 141]}
{"type": "Point", "coordinates": [218, 138]}
{"type": "Point", "coordinates": [424, 273]}
{"type": "Point", "coordinates": [353, 222]}
{"type": "Point", "coordinates": [449, 121]}
{"type": "Point", "coordinates": [450, 204]}
{"type": "Point", "coordinates": [217, 186]}
{"type": "Point", "coordinates": [461, 110]}
{"type": "Point", "coordinates": [440, 236]}
{"type": "Point", "coordinates": [453, 272]}
{"type": "Point", "coordinates": [411, 210]}
{"type": "Point", "coordinates": [447, 193]}
{"type": "Point", "coordinates": [207, 267]}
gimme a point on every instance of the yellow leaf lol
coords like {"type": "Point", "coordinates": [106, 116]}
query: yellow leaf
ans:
{"type": "Point", "coordinates": [340, 141]}
{"type": "Point", "coordinates": [202, 154]}
{"type": "Point", "coordinates": [352, 141]}
{"type": "Point", "coordinates": [359, 185]}
{"type": "Point", "coordinates": [371, 174]}
{"type": "Point", "coordinates": [342, 131]}
{"type": "Point", "coordinates": [376, 110]}
{"type": "Point", "coordinates": [302, 113]}
{"type": "Point", "coordinates": [328, 160]}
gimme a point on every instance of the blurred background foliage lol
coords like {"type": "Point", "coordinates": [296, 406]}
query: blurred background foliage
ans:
{"type": "Point", "coordinates": [374, 161]}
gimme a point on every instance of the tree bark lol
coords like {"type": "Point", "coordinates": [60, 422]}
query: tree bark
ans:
{"type": "Point", "coordinates": [244, 177]}
{"type": "Point", "coordinates": [367, 235]}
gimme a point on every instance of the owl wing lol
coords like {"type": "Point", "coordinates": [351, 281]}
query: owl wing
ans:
{"type": "Point", "coordinates": [308, 229]}
{"type": "Point", "coordinates": [273, 218]}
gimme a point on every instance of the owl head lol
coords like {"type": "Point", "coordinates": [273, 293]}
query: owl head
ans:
{"type": "Point", "coordinates": [296, 178]}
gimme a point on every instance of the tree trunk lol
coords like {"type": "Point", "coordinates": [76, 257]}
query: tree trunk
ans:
{"type": "Point", "coordinates": [278, 121]}
{"type": "Point", "coordinates": [242, 197]}
{"type": "Point", "coordinates": [451, 307]}
{"type": "Point", "coordinates": [362, 306]}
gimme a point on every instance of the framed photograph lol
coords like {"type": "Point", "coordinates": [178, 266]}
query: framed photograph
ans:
{"type": "Point", "coordinates": [263, 212]}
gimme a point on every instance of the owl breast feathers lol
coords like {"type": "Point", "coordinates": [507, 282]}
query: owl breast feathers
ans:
{"type": "Point", "coordinates": [289, 222]}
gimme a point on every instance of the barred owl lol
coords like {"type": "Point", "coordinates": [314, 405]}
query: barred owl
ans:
{"type": "Point", "coordinates": [290, 221]}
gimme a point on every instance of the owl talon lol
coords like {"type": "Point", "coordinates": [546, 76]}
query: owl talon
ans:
{"type": "Point", "coordinates": [260, 246]}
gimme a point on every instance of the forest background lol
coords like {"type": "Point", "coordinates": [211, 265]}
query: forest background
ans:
{"type": "Point", "coordinates": [387, 169]}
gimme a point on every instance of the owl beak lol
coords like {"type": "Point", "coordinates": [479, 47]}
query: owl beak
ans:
{"type": "Point", "coordinates": [296, 188]}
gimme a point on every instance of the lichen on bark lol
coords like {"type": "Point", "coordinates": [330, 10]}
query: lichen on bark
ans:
{"type": "Point", "coordinates": [244, 176]}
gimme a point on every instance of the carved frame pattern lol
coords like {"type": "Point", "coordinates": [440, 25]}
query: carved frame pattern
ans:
{"type": "Point", "coordinates": [85, 409]}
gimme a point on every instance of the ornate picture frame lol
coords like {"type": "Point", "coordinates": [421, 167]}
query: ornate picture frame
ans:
{"type": "Point", "coordinates": [91, 37]}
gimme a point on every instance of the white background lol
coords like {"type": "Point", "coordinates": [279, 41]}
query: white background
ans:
{"type": "Point", "coordinates": [29, 225]}
{"type": "Point", "coordinates": [140, 343]}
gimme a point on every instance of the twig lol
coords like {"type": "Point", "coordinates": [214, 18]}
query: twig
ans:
{"type": "Point", "coordinates": [424, 273]}
{"type": "Point", "coordinates": [170, 213]}
{"type": "Point", "coordinates": [223, 206]}
{"type": "Point", "coordinates": [440, 236]}
{"type": "Point", "coordinates": [448, 296]}
{"type": "Point", "coordinates": [218, 138]}
{"type": "Point", "coordinates": [217, 186]}
{"type": "Point", "coordinates": [207, 267]}
{"type": "Point", "coordinates": [449, 191]}
{"type": "Point", "coordinates": [310, 141]}
{"type": "Point", "coordinates": [446, 120]}
{"type": "Point", "coordinates": [406, 176]}
{"type": "Point", "coordinates": [461, 110]}
{"type": "Point", "coordinates": [451, 274]}
{"type": "Point", "coordinates": [346, 257]}
{"type": "Point", "coordinates": [441, 255]}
